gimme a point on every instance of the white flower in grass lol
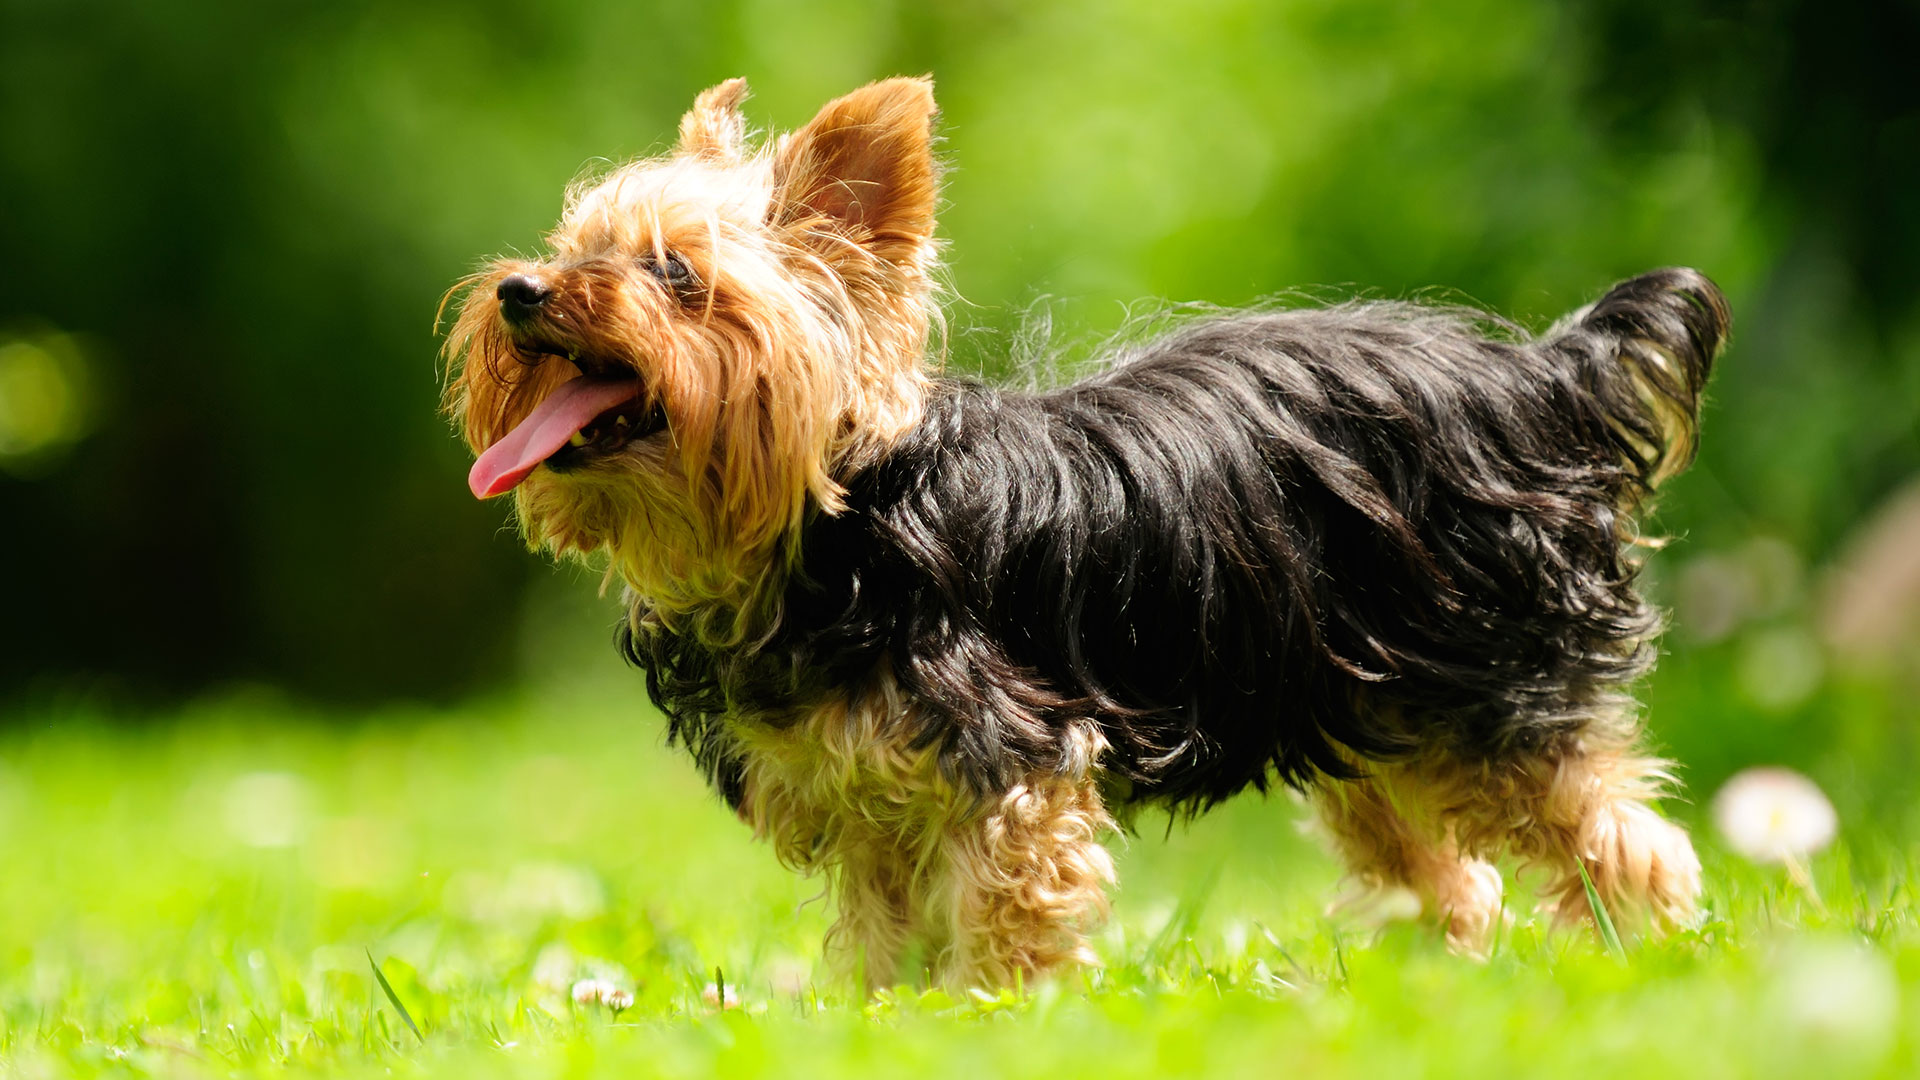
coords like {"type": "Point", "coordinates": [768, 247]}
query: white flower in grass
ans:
{"type": "Point", "coordinates": [713, 995]}
{"type": "Point", "coordinates": [593, 991]}
{"type": "Point", "coordinates": [1774, 815]}
{"type": "Point", "coordinates": [617, 1000]}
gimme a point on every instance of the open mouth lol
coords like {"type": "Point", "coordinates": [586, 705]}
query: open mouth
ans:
{"type": "Point", "coordinates": [608, 432]}
{"type": "Point", "coordinates": [580, 420]}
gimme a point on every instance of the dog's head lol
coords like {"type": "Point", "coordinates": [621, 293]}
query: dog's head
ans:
{"type": "Point", "coordinates": [715, 338]}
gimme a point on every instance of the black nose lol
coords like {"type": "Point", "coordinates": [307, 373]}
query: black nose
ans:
{"type": "Point", "coordinates": [521, 295]}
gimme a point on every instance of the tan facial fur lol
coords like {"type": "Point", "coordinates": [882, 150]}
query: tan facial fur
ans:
{"type": "Point", "coordinates": [798, 355]}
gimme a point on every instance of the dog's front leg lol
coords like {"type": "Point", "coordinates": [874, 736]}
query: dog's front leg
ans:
{"type": "Point", "coordinates": [970, 893]}
{"type": "Point", "coordinates": [877, 885]}
{"type": "Point", "coordinates": [1024, 878]}
{"type": "Point", "coordinates": [975, 888]}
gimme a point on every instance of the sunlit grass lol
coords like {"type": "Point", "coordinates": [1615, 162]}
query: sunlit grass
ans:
{"type": "Point", "coordinates": [201, 898]}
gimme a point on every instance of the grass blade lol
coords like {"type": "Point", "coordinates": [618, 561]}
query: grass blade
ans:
{"type": "Point", "coordinates": [1600, 917]}
{"type": "Point", "coordinates": [387, 988]}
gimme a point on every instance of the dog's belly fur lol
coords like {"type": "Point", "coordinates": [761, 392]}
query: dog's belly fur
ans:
{"type": "Point", "coordinates": [1256, 548]}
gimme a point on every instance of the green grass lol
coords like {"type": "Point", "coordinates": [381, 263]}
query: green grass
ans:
{"type": "Point", "coordinates": [200, 898]}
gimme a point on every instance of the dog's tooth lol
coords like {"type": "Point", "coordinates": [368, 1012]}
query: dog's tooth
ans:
{"type": "Point", "coordinates": [577, 440]}
{"type": "Point", "coordinates": [620, 420]}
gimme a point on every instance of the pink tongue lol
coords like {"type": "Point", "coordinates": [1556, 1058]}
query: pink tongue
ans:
{"type": "Point", "coordinates": [571, 406]}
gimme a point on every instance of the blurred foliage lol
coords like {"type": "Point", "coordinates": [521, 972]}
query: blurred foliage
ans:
{"type": "Point", "coordinates": [227, 228]}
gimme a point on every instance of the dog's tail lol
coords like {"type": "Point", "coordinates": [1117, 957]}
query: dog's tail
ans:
{"type": "Point", "coordinates": [1645, 350]}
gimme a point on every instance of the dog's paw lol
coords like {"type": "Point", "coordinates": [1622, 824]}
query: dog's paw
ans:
{"type": "Point", "coordinates": [1644, 868]}
{"type": "Point", "coordinates": [1472, 906]}
{"type": "Point", "coordinates": [1671, 890]}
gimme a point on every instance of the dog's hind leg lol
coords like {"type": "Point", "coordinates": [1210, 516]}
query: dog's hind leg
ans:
{"type": "Point", "coordinates": [1390, 834]}
{"type": "Point", "coordinates": [1585, 802]}
{"type": "Point", "coordinates": [1592, 810]}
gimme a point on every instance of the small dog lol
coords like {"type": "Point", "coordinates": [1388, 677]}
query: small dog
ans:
{"type": "Point", "coordinates": [931, 638]}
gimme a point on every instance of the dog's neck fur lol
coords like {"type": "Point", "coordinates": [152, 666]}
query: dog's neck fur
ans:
{"type": "Point", "coordinates": [732, 599]}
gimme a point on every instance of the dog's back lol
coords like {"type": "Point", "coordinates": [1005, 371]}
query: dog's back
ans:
{"type": "Point", "coordinates": [1265, 537]}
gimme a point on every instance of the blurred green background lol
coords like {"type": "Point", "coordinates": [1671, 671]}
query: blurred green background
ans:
{"type": "Point", "coordinates": [227, 228]}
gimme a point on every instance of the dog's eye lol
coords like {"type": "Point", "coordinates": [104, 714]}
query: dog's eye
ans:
{"type": "Point", "coordinates": [672, 271]}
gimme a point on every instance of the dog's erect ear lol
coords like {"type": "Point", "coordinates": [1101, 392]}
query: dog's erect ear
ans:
{"type": "Point", "coordinates": [714, 128]}
{"type": "Point", "coordinates": [863, 170]}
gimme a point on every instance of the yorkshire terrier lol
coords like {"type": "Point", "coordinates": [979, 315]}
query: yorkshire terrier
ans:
{"type": "Point", "coordinates": [933, 637]}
